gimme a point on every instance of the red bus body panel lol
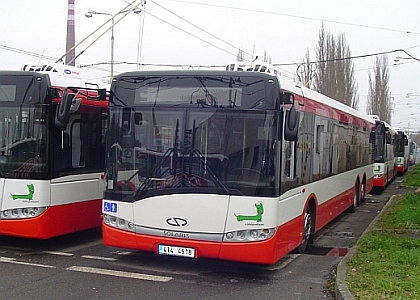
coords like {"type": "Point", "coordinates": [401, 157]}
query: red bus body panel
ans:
{"type": "Point", "coordinates": [56, 221]}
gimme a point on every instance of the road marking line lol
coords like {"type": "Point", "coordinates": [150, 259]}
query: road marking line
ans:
{"type": "Point", "coordinates": [99, 257]}
{"type": "Point", "coordinates": [83, 246]}
{"type": "Point", "coordinates": [16, 248]}
{"type": "Point", "coordinates": [58, 253]}
{"type": "Point", "coordinates": [122, 252]}
{"type": "Point", "coordinates": [120, 273]}
{"type": "Point", "coordinates": [14, 261]}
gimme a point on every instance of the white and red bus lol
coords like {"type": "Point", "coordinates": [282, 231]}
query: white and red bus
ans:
{"type": "Point", "coordinates": [413, 148]}
{"type": "Point", "coordinates": [382, 140]}
{"type": "Point", "coordinates": [52, 152]}
{"type": "Point", "coordinates": [231, 165]}
{"type": "Point", "coordinates": [402, 152]}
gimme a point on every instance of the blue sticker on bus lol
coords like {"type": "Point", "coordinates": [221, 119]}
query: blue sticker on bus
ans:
{"type": "Point", "coordinates": [110, 207]}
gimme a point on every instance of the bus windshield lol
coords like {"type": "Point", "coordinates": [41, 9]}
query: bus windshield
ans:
{"type": "Point", "coordinates": [23, 142]}
{"type": "Point", "coordinates": [206, 91]}
{"type": "Point", "coordinates": [380, 142]}
{"type": "Point", "coordinates": [156, 150]}
{"type": "Point", "coordinates": [16, 88]}
{"type": "Point", "coordinates": [400, 146]}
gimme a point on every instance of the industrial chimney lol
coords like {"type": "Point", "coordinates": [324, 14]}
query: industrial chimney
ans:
{"type": "Point", "coordinates": [70, 34]}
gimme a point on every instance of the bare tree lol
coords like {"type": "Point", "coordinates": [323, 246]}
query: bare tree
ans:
{"type": "Point", "coordinates": [306, 71]}
{"type": "Point", "coordinates": [320, 80]}
{"type": "Point", "coordinates": [334, 75]}
{"type": "Point", "coordinates": [346, 83]}
{"type": "Point", "coordinates": [266, 58]}
{"type": "Point", "coordinates": [379, 98]}
{"type": "Point", "coordinates": [241, 55]}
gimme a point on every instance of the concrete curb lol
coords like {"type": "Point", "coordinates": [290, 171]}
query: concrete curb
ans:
{"type": "Point", "coordinates": [341, 289]}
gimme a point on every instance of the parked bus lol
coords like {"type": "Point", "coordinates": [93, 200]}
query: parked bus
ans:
{"type": "Point", "coordinates": [382, 139]}
{"type": "Point", "coordinates": [231, 165]}
{"type": "Point", "coordinates": [402, 152]}
{"type": "Point", "coordinates": [52, 152]}
{"type": "Point", "coordinates": [413, 148]}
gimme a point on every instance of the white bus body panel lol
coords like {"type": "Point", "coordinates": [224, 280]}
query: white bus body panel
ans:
{"type": "Point", "coordinates": [64, 190]}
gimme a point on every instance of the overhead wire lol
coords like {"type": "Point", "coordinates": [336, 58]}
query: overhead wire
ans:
{"type": "Point", "coordinates": [351, 57]}
{"type": "Point", "coordinates": [25, 52]}
{"type": "Point", "coordinates": [192, 24]}
{"type": "Point", "coordinates": [201, 39]}
{"type": "Point", "coordinates": [207, 42]}
{"type": "Point", "coordinates": [295, 16]}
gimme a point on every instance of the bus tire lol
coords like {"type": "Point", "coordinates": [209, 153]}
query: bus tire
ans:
{"type": "Point", "coordinates": [356, 200]}
{"type": "Point", "coordinates": [363, 191]}
{"type": "Point", "coordinates": [308, 229]}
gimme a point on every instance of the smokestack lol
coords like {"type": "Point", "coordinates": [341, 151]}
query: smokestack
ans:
{"type": "Point", "coordinates": [70, 34]}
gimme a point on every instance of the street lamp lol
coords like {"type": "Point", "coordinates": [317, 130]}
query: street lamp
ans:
{"type": "Point", "coordinates": [398, 58]}
{"type": "Point", "coordinates": [90, 14]}
{"type": "Point", "coordinates": [408, 95]}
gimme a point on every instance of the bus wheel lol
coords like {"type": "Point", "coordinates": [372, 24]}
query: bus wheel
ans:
{"type": "Point", "coordinates": [308, 230]}
{"type": "Point", "coordinates": [356, 201]}
{"type": "Point", "coordinates": [363, 192]}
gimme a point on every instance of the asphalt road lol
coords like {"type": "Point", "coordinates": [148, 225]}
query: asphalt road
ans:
{"type": "Point", "coordinates": [78, 266]}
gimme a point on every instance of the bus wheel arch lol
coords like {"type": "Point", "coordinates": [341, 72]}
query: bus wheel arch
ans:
{"type": "Point", "coordinates": [308, 226]}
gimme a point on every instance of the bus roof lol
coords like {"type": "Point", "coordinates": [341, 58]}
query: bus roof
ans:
{"type": "Point", "coordinates": [63, 75]}
{"type": "Point", "coordinates": [293, 87]}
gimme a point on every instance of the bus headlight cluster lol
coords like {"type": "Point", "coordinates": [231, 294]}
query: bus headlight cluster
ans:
{"type": "Point", "coordinates": [251, 235]}
{"type": "Point", "coordinates": [378, 176]}
{"type": "Point", "coordinates": [22, 213]}
{"type": "Point", "coordinates": [119, 223]}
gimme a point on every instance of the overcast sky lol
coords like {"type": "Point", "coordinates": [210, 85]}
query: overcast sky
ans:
{"type": "Point", "coordinates": [209, 33]}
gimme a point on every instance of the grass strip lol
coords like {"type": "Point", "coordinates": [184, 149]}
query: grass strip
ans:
{"type": "Point", "coordinates": [386, 264]}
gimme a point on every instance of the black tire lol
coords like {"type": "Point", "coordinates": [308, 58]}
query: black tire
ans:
{"type": "Point", "coordinates": [308, 230]}
{"type": "Point", "coordinates": [356, 199]}
{"type": "Point", "coordinates": [363, 192]}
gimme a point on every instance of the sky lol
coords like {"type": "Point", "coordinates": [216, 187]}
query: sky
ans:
{"type": "Point", "coordinates": [202, 33]}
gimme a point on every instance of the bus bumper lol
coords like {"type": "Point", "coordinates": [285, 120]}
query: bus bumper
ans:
{"type": "Point", "coordinates": [379, 180]}
{"type": "Point", "coordinates": [262, 252]}
{"type": "Point", "coordinates": [55, 221]}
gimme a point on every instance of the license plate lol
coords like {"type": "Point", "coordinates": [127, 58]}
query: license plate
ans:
{"type": "Point", "coordinates": [176, 251]}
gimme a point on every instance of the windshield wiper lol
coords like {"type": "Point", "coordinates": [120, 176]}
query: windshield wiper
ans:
{"type": "Point", "coordinates": [149, 179]}
{"type": "Point", "coordinates": [212, 175]}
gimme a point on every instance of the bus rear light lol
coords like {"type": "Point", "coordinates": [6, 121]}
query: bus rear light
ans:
{"type": "Point", "coordinates": [22, 213]}
{"type": "Point", "coordinates": [118, 223]}
{"type": "Point", "coordinates": [249, 235]}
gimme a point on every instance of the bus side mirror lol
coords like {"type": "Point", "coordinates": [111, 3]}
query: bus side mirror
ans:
{"type": "Point", "coordinates": [102, 94]}
{"type": "Point", "coordinates": [287, 98]}
{"type": "Point", "coordinates": [62, 115]}
{"type": "Point", "coordinates": [291, 125]}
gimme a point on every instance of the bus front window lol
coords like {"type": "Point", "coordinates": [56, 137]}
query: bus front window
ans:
{"type": "Point", "coordinates": [202, 150]}
{"type": "Point", "coordinates": [23, 142]}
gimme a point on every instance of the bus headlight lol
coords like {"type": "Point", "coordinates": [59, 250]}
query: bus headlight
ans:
{"type": "Point", "coordinates": [119, 223]}
{"type": "Point", "coordinates": [22, 213]}
{"type": "Point", "coordinates": [252, 235]}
